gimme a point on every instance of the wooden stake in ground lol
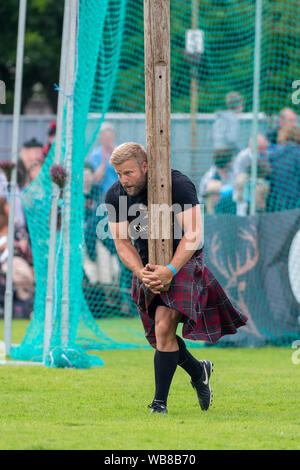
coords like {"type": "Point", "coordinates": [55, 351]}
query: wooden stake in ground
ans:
{"type": "Point", "coordinates": [158, 129]}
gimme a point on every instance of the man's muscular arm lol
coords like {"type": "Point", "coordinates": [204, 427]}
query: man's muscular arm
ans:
{"type": "Point", "coordinates": [191, 224]}
{"type": "Point", "coordinates": [128, 253]}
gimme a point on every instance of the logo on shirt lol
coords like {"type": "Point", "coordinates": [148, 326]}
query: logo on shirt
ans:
{"type": "Point", "coordinates": [140, 224]}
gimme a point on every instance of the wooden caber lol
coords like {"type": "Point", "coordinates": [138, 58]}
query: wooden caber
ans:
{"type": "Point", "coordinates": [158, 128]}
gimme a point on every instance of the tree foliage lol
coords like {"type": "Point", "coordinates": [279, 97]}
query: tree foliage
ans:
{"type": "Point", "coordinates": [226, 65]}
{"type": "Point", "coordinates": [41, 50]}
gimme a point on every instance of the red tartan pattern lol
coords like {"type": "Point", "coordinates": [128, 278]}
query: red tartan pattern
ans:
{"type": "Point", "coordinates": [207, 311]}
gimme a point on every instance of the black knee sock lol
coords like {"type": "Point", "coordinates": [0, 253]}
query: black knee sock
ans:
{"type": "Point", "coordinates": [165, 364]}
{"type": "Point", "coordinates": [187, 361]}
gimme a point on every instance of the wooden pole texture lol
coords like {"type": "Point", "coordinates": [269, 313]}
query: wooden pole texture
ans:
{"type": "Point", "coordinates": [158, 129]}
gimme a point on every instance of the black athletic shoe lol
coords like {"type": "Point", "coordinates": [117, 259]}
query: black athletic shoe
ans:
{"type": "Point", "coordinates": [202, 386]}
{"type": "Point", "coordinates": [158, 407]}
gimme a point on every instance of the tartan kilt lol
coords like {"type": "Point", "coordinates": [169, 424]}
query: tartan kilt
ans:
{"type": "Point", "coordinates": [207, 313]}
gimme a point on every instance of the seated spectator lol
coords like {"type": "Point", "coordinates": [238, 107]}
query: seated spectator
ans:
{"type": "Point", "coordinates": [226, 204]}
{"type": "Point", "coordinates": [287, 118]}
{"type": "Point", "coordinates": [104, 172]}
{"type": "Point", "coordinates": [212, 195]}
{"type": "Point", "coordinates": [34, 170]}
{"type": "Point", "coordinates": [244, 157]}
{"type": "Point", "coordinates": [221, 170]}
{"type": "Point", "coordinates": [51, 137]}
{"type": "Point", "coordinates": [242, 171]}
{"type": "Point", "coordinates": [4, 193]}
{"type": "Point", "coordinates": [226, 128]}
{"type": "Point", "coordinates": [285, 175]}
{"type": "Point", "coordinates": [228, 199]}
{"type": "Point", "coordinates": [93, 193]}
{"type": "Point", "coordinates": [31, 161]}
{"type": "Point", "coordinates": [31, 152]}
{"type": "Point", "coordinates": [23, 274]}
{"type": "Point", "coordinates": [243, 191]}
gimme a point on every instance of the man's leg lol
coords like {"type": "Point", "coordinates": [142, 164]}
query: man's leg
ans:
{"type": "Point", "coordinates": [170, 351]}
{"type": "Point", "coordinates": [188, 362]}
{"type": "Point", "coordinates": [199, 371]}
{"type": "Point", "coordinates": [166, 355]}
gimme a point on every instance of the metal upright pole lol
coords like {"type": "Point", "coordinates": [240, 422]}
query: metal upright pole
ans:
{"type": "Point", "coordinates": [55, 189]}
{"type": "Point", "coordinates": [8, 302]}
{"type": "Point", "coordinates": [65, 327]}
{"type": "Point", "coordinates": [194, 98]}
{"type": "Point", "coordinates": [256, 84]}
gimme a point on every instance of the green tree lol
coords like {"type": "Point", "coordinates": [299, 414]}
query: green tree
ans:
{"type": "Point", "coordinates": [41, 51]}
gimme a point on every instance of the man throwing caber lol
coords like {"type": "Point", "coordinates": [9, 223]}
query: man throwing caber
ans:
{"type": "Point", "coordinates": [183, 291]}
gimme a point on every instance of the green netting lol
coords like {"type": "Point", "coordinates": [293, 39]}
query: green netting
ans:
{"type": "Point", "coordinates": [258, 269]}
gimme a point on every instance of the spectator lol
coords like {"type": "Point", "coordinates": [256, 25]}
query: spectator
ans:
{"type": "Point", "coordinates": [31, 152]}
{"type": "Point", "coordinates": [51, 137]}
{"type": "Point", "coordinates": [212, 195]}
{"type": "Point", "coordinates": [243, 192]}
{"type": "Point", "coordinates": [104, 172]}
{"type": "Point", "coordinates": [93, 194]}
{"type": "Point", "coordinates": [221, 170]}
{"type": "Point", "coordinates": [285, 175]}
{"type": "Point", "coordinates": [226, 128]}
{"type": "Point", "coordinates": [244, 158]}
{"type": "Point", "coordinates": [31, 161]}
{"type": "Point", "coordinates": [34, 170]}
{"type": "Point", "coordinates": [23, 274]}
{"type": "Point", "coordinates": [287, 118]}
{"type": "Point", "coordinates": [4, 193]}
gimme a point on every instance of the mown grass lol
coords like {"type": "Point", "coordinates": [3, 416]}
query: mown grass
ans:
{"type": "Point", "coordinates": [255, 406]}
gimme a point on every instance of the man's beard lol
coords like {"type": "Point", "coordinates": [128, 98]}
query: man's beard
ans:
{"type": "Point", "coordinates": [138, 187]}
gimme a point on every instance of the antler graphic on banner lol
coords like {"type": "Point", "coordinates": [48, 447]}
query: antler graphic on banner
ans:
{"type": "Point", "coordinates": [232, 274]}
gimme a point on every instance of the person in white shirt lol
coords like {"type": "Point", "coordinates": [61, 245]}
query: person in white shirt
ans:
{"type": "Point", "coordinates": [244, 158]}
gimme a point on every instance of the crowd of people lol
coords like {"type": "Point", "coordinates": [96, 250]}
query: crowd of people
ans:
{"type": "Point", "coordinates": [224, 188]}
{"type": "Point", "coordinates": [226, 185]}
{"type": "Point", "coordinates": [31, 158]}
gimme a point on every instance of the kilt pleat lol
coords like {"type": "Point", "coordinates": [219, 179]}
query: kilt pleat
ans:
{"type": "Point", "coordinates": [207, 312]}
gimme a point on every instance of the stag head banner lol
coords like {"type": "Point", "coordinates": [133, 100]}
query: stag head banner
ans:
{"type": "Point", "coordinates": [257, 261]}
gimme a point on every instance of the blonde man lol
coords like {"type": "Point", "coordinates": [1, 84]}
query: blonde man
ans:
{"type": "Point", "coordinates": [194, 296]}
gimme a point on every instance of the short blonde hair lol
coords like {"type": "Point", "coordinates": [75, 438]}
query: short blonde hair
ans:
{"type": "Point", "coordinates": [128, 151]}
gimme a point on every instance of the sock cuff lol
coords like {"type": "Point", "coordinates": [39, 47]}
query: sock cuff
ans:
{"type": "Point", "coordinates": [165, 353]}
{"type": "Point", "coordinates": [180, 342]}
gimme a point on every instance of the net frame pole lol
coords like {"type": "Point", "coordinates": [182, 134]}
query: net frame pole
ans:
{"type": "Point", "coordinates": [256, 85]}
{"type": "Point", "coordinates": [55, 189]}
{"type": "Point", "coordinates": [194, 99]}
{"type": "Point", "coordinates": [8, 299]}
{"type": "Point", "coordinates": [68, 166]}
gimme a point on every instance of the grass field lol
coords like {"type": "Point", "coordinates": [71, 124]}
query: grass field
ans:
{"type": "Point", "coordinates": [255, 405]}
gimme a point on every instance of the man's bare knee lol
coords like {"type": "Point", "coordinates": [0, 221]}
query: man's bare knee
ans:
{"type": "Point", "coordinates": [166, 321]}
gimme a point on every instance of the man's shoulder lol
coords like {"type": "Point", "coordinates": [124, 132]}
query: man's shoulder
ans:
{"type": "Point", "coordinates": [183, 189]}
{"type": "Point", "coordinates": [179, 177]}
